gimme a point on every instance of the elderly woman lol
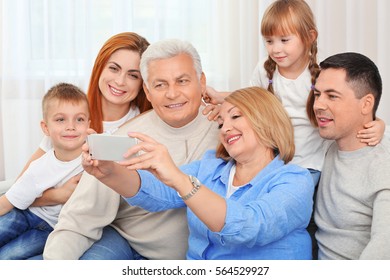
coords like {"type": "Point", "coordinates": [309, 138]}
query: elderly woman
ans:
{"type": "Point", "coordinates": [243, 200]}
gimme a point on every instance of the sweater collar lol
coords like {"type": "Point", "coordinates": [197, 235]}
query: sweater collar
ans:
{"type": "Point", "coordinates": [184, 132]}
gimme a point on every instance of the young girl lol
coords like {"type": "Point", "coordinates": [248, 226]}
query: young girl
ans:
{"type": "Point", "coordinates": [290, 34]}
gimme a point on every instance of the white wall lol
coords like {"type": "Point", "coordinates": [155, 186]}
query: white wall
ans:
{"type": "Point", "coordinates": [2, 171]}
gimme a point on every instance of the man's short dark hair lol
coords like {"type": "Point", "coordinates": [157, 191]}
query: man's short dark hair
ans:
{"type": "Point", "coordinates": [361, 73]}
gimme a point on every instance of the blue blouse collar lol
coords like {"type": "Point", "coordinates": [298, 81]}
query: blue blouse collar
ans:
{"type": "Point", "coordinates": [271, 168]}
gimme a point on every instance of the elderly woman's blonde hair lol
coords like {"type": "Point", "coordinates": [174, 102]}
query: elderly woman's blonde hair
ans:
{"type": "Point", "coordinates": [267, 117]}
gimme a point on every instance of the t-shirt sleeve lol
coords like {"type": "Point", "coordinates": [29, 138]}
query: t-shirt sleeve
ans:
{"type": "Point", "coordinates": [23, 193]}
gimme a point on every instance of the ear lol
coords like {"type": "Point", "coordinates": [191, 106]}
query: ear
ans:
{"type": "Point", "coordinates": [313, 35]}
{"type": "Point", "coordinates": [368, 102]}
{"type": "Point", "coordinates": [44, 128]}
{"type": "Point", "coordinates": [203, 83]}
{"type": "Point", "coordinates": [146, 90]}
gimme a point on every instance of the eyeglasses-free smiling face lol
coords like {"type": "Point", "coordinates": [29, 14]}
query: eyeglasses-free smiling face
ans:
{"type": "Point", "coordinates": [288, 52]}
{"type": "Point", "coordinates": [174, 89]}
{"type": "Point", "coordinates": [237, 135]}
{"type": "Point", "coordinates": [66, 124]}
{"type": "Point", "coordinates": [337, 109]}
{"type": "Point", "coordinates": [120, 80]}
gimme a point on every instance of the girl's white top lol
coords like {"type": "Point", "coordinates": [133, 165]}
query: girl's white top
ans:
{"type": "Point", "coordinates": [310, 148]}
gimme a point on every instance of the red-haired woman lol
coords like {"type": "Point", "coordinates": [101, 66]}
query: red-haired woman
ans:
{"type": "Point", "coordinates": [115, 95]}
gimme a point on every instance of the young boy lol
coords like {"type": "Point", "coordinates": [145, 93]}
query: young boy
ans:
{"type": "Point", "coordinates": [23, 228]}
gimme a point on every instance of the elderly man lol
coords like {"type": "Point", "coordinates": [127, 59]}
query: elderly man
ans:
{"type": "Point", "coordinates": [353, 199]}
{"type": "Point", "coordinates": [90, 221]}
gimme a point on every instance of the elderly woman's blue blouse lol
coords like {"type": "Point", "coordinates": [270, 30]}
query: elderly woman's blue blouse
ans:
{"type": "Point", "coordinates": [265, 219]}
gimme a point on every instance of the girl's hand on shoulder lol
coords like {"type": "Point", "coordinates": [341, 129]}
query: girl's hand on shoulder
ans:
{"type": "Point", "coordinates": [372, 133]}
{"type": "Point", "coordinates": [211, 96]}
{"type": "Point", "coordinates": [212, 111]}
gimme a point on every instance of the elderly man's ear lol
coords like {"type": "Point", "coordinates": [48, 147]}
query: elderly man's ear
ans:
{"type": "Point", "coordinates": [203, 83]}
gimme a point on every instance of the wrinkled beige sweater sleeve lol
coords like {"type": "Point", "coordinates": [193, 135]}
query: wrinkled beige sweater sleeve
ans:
{"type": "Point", "coordinates": [92, 206]}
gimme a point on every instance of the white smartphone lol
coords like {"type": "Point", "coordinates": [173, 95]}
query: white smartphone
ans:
{"type": "Point", "coordinates": [109, 147]}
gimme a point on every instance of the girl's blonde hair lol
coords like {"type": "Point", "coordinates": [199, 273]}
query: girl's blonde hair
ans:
{"type": "Point", "coordinates": [268, 119]}
{"type": "Point", "coordinates": [285, 17]}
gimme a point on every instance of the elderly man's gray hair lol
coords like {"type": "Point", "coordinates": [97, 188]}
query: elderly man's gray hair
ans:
{"type": "Point", "coordinates": [168, 48]}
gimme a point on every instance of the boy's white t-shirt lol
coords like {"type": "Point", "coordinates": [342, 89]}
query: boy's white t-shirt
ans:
{"type": "Point", "coordinates": [310, 147]}
{"type": "Point", "coordinates": [108, 127]}
{"type": "Point", "coordinates": [42, 174]}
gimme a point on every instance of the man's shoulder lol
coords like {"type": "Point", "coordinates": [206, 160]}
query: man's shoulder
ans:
{"type": "Point", "coordinates": [382, 151]}
{"type": "Point", "coordinates": [379, 165]}
{"type": "Point", "coordinates": [385, 142]}
{"type": "Point", "coordinates": [330, 148]}
{"type": "Point", "coordinates": [377, 162]}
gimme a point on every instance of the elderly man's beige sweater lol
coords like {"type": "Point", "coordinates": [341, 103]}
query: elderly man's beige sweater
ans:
{"type": "Point", "coordinates": [161, 235]}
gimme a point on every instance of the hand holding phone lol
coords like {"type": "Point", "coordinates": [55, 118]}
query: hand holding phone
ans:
{"type": "Point", "coordinates": [109, 147]}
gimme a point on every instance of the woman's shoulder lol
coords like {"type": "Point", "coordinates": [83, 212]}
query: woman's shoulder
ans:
{"type": "Point", "coordinates": [208, 165]}
{"type": "Point", "coordinates": [210, 154]}
{"type": "Point", "coordinates": [296, 173]}
{"type": "Point", "coordinates": [294, 168]}
{"type": "Point", "coordinates": [210, 161]}
{"type": "Point", "coordinates": [279, 170]}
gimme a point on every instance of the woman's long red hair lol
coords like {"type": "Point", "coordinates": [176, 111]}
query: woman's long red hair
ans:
{"type": "Point", "coordinates": [126, 40]}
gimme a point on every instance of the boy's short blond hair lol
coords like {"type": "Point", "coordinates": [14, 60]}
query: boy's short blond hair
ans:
{"type": "Point", "coordinates": [63, 92]}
